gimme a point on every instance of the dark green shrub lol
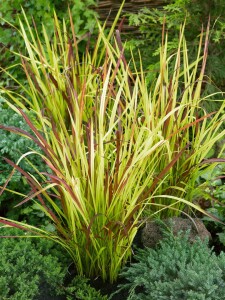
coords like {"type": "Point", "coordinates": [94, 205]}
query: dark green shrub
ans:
{"type": "Point", "coordinates": [30, 268]}
{"type": "Point", "coordinates": [210, 194]}
{"type": "Point", "coordinates": [176, 270]}
{"type": "Point", "coordinates": [36, 269]}
{"type": "Point", "coordinates": [80, 289]}
{"type": "Point", "coordinates": [12, 146]}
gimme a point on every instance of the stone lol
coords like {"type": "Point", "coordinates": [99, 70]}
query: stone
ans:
{"type": "Point", "coordinates": [152, 232]}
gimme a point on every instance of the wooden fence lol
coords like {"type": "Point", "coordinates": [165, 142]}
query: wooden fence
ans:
{"type": "Point", "coordinates": [107, 10]}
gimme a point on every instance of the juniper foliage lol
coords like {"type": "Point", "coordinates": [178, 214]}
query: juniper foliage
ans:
{"type": "Point", "coordinates": [176, 270]}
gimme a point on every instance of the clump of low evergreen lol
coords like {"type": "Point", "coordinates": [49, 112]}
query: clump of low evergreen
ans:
{"type": "Point", "coordinates": [30, 268]}
{"type": "Point", "coordinates": [80, 289]}
{"type": "Point", "coordinates": [37, 269]}
{"type": "Point", "coordinates": [176, 270]}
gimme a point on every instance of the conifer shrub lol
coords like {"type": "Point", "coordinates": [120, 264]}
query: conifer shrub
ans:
{"type": "Point", "coordinates": [176, 270]}
{"type": "Point", "coordinates": [29, 268]}
{"type": "Point", "coordinates": [37, 269]}
{"type": "Point", "coordinates": [80, 289]}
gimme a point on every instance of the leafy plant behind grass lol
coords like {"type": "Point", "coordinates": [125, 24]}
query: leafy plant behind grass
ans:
{"type": "Point", "coordinates": [176, 270]}
{"type": "Point", "coordinates": [112, 145]}
{"type": "Point", "coordinates": [13, 146]}
{"type": "Point", "coordinates": [210, 191]}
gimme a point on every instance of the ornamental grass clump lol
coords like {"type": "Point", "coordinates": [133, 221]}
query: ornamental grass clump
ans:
{"type": "Point", "coordinates": [175, 106]}
{"type": "Point", "coordinates": [105, 139]}
{"type": "Point", "coordinates": [88, 125]}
